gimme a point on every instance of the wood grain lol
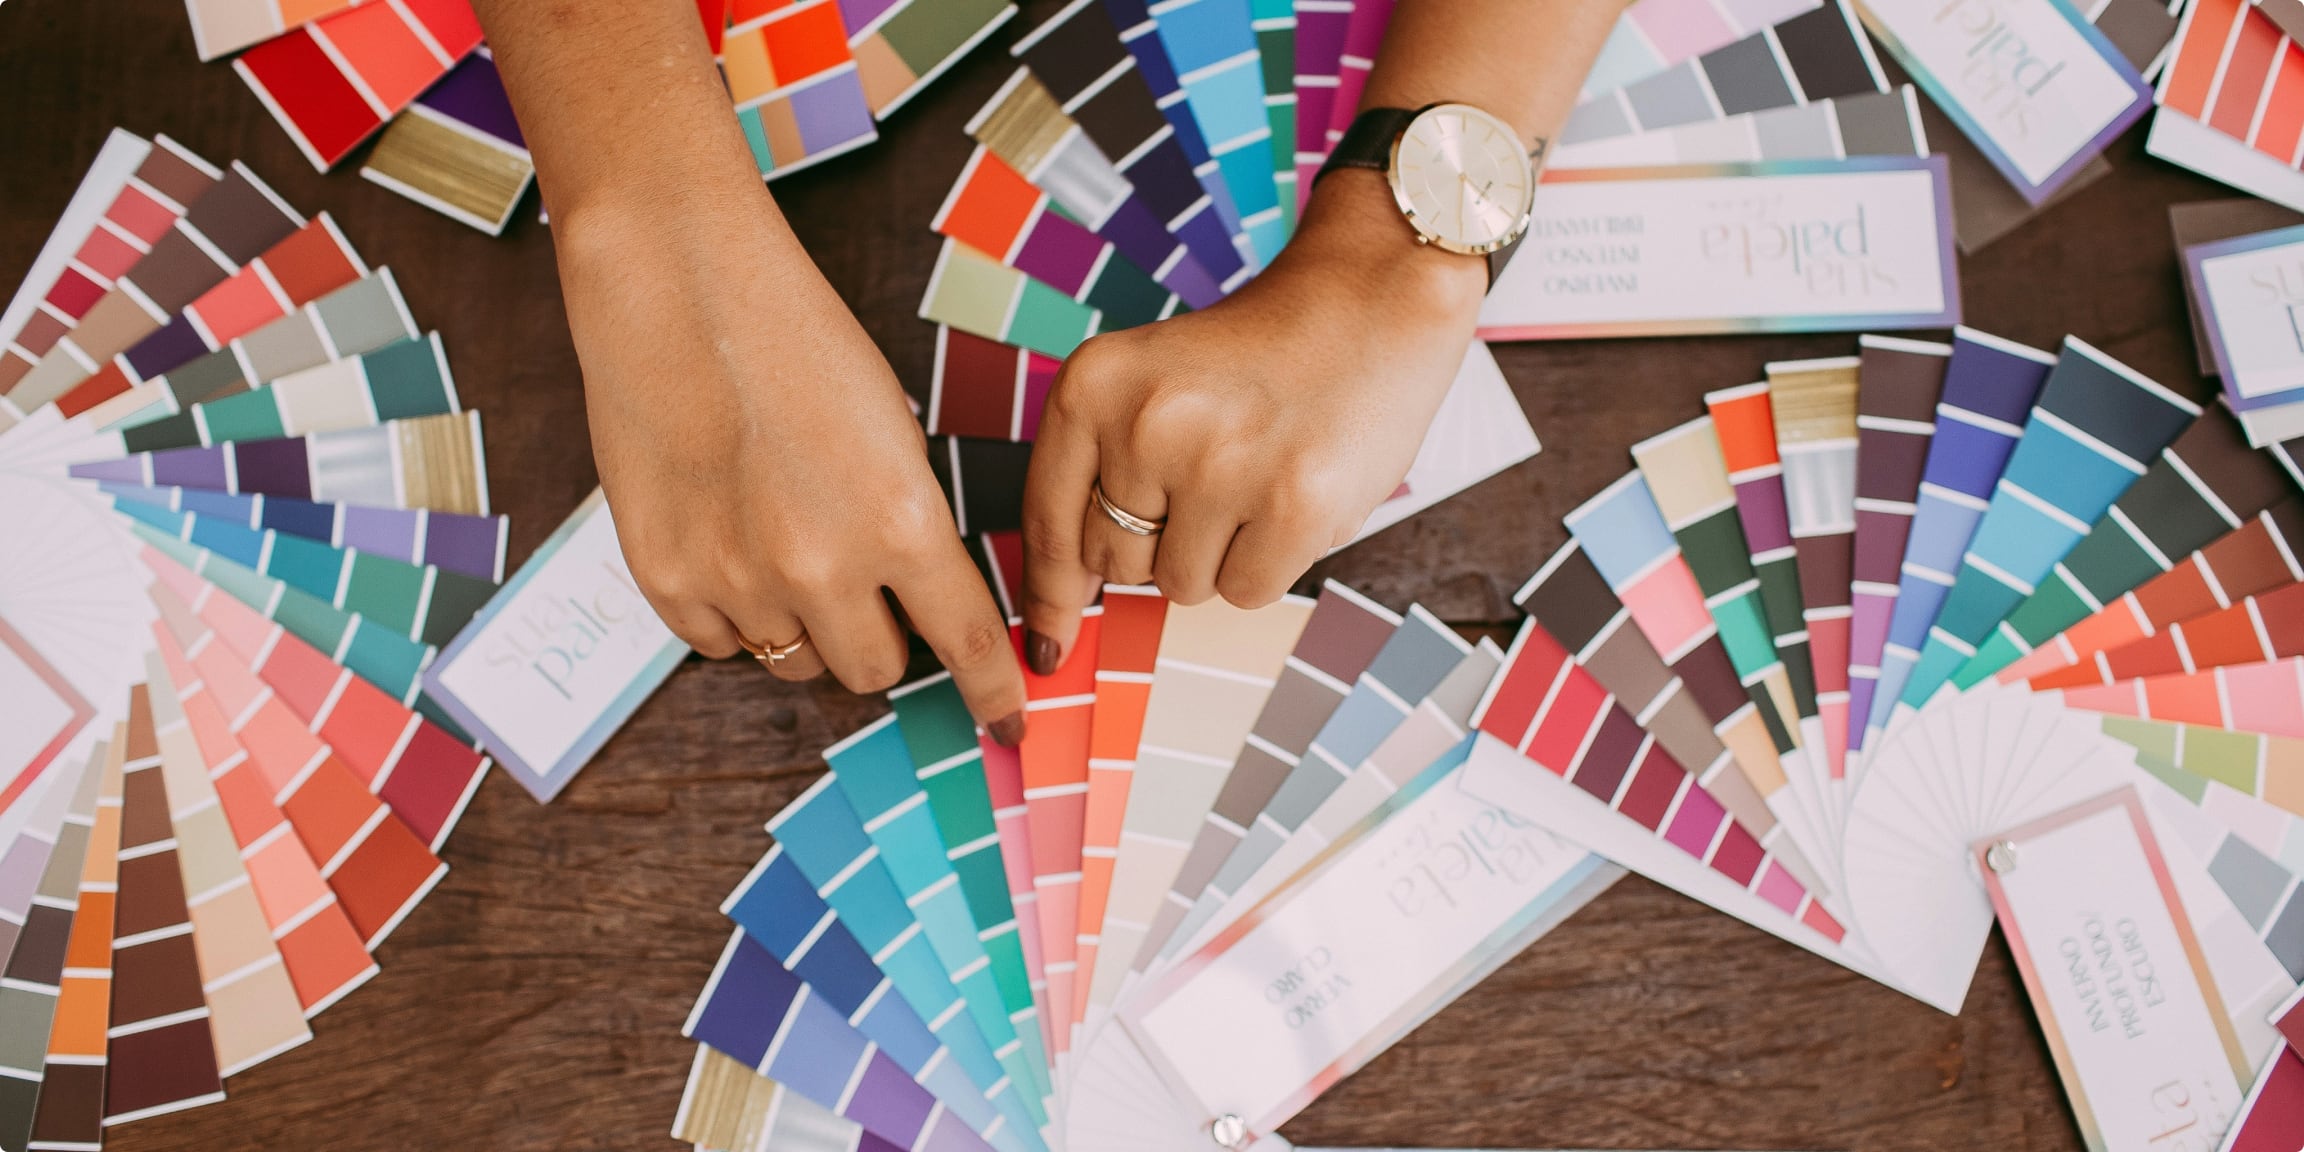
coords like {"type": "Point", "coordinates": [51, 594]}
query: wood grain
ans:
{"type": "Point", "coordinates": [534, 1001]}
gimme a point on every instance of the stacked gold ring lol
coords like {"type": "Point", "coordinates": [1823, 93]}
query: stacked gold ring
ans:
{"type": "Point", "coordinates": [1129, 522]}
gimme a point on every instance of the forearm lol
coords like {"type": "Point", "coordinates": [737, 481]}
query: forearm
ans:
{"type": "Point", "coordinates": [1522, 60]}
{"type": "Point", "coordinates": [625, 113]}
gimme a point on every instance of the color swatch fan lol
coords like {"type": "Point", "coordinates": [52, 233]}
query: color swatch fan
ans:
{"type": "Point", "coordinates": [1855, 656]}
{"type": "Point", "coordinates": [953, 943]}
{"type": "Point", "coordinates": [1986, 761]}
{"type": "Point", "coordinates": [248, 505]}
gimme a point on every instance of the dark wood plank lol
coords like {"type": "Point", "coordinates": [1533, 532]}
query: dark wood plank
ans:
{"type": "Point", "coordinates": [534, 1001]}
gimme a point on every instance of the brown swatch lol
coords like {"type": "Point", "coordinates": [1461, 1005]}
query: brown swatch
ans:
{"type": "Point", "coordinates": [162, 1056]}
{"type": "Point", "coordinates": [175, 173]}
{"type": "Point", "coordinates": [241, 217]}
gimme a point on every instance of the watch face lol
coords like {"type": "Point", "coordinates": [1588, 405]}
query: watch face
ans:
{"type": "Point", "coordinates": [1463, 179]}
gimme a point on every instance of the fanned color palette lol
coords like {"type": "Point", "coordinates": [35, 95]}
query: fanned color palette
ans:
{"type": "Point", "coordinates": [250, 507]}
{"type": "Point", "coordinates": [944, 942]}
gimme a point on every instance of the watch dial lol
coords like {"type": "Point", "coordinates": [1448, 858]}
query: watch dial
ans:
{"type": "Point", "coordinates": [1463, 178]}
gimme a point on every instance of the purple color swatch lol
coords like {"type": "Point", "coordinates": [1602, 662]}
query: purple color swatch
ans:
{"type": "Point", "coordinates": [1319, 54]}
{"type": "Point", "coordinates": [452, 541]}
{"type": "Point", "coordinates": [1760, 505]}
{"type": "Point", "coordinates": [168, 349]}
{"type": "Point", "coordinates": [126, 470]}
{"type": "Point", "coordinates": [833, 112]}
{"type": "Point", "coordinates": [473, 545]}
{"type": "Point", "coordinates": [856, 14]}
{"type": "Point", "coordinates": [1143, 239]}
{"type": "Point", "coordinates": [192, 468]}
{"type": "Point", "coordinates": [273, 467]}
{"type": "Point", "coordinates": [383, 531]}
{"type": "Point", "coordinates": [472, 94]}
{"type": "Point", "coordinates": [1059, 253]}
{"type": "Point", "coordinates": [754, 1003]}
{"type": "Point", "coordinates": [1361, 39]}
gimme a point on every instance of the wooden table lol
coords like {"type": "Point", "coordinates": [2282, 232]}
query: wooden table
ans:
{"type": "Point", "coordinates": [535, 1000]}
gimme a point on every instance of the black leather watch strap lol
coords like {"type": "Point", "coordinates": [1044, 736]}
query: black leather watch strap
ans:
{"type": "Point", "coordinates": [1368, 144]}
{"type": "Point", "coordinates": [1500, 257]}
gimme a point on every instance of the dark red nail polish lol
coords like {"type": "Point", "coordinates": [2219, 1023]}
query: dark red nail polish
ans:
{"type": "Point", "coordinates": [1008, 731]}
{"type": "Point", "coordinates": [1042, 654]}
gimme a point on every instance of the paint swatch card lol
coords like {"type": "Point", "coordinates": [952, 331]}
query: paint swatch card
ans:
{"type": "Point", "coordinates": [1309, 986]}
{"type": "Point", "coordinates": [1795, 246]}
{"type": "Point", "coordinates": [2117, 976]}
{"type": "Point", "coordinates": [2037, 88]}
{"type": "Point", "coordinates": [560, 659]}
{"type": "Point", "coordinates": [2251, 296]}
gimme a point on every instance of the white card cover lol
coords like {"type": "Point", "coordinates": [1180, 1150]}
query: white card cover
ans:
{"type": "Point", "coordinates": [2032, 82]}
{"type": "Point", "coordinates": [2117, 977]}
{"type": "Point", "coordinates": [1782, 246]}
{"type": "Point", "coordinates": [560, 658]}
{"type": "Point", "coordinates": [1429, 891]}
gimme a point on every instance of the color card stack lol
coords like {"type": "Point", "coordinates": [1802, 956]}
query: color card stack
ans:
{"type": "Point", "coordinates": [244, 506]}
{"type": "Point", "coordinates": [809, 79]}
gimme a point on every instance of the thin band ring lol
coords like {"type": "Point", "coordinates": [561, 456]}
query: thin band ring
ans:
{"type": "Point", "coordinates": [1129, 522]}
{"type": "Point", "coordinates": [770, 655]}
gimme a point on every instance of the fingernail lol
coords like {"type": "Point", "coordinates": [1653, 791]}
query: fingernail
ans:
{"type": "Point", "coordinates": [1008, 730]}
{"type": "Point", "coordinates": [1042, 654]}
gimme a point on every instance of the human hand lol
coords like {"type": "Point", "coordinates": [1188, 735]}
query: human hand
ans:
{"type": "Point", "coordinates": [767, 479]}
{"type": "Point", "coordinates": [1263, 430]}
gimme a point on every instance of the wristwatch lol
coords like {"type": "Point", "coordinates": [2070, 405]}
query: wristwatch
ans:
{"type": "Point", "coordinates": [1457, 173]}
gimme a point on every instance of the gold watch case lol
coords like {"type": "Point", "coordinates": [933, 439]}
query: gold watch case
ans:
{"type": "Point", "coordinates": [1414, 153]}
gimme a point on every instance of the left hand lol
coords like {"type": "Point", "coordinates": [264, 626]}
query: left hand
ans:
{"type": "Point", "coordinates": [1263, 430]}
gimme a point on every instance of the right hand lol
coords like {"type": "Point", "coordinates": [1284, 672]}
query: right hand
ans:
{"type": "Point", "coordinates": [767, 477]}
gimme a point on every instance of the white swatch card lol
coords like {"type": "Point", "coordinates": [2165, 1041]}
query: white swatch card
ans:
{"type": "Point", "coordinates": [560, 659]}
{"type": "Point", "coordinates": [1366, 944]}
{"type": "Point", "coordinates": [1780, 246]}
{"type": "Point", "coordinates": [2117, 977]}
{"type": "Point", "coordinates": [2033, 83]}
{"type": "Point", "coordinates": [2251, 294]}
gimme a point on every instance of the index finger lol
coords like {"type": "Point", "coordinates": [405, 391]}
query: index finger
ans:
{"type": "Point", "coordinates": [1057, 581]}
{"type": "Point", "coordinates": [952, 610]}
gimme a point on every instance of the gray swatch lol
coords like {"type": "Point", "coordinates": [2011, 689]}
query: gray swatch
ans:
{"type": "Point", "coordinates": [1879, 124]}
{"type": "Point", "coordinates": [1600, 118]}
{"type": "Point", "coordinates": [2251, 879]}
{"type": "Point", "coordinates": [1746, 77]}
{"type": "Point", "coordinates": [1801, 132]}
{"type": "Point", "coordinates": [1669, 98]}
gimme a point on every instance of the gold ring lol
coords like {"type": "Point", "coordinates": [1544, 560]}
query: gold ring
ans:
{"type": "Point", "coordinates": [770, 655]}
{"type": "Point", "coordinates": [1129, 522]}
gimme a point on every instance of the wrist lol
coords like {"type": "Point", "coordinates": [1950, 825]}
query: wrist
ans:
{"type": "Point", "coordinates": [1353, 232]}
{"type": "Point", "coordinates": [615, 210]}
